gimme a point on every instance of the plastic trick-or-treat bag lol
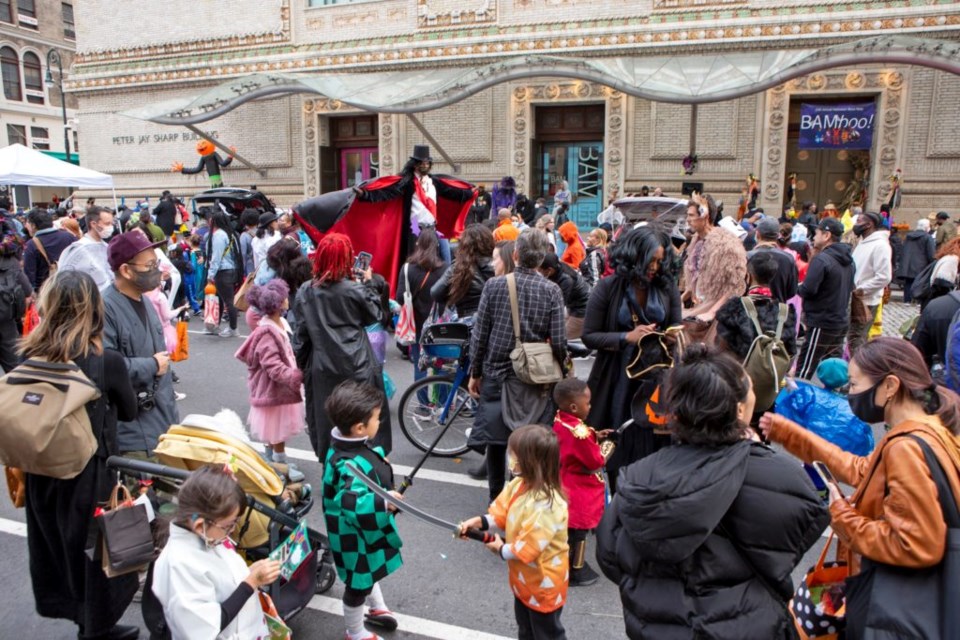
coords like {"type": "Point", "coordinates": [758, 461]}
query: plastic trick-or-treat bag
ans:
{"type": "Point", "coordinates": [827, 414]}
{"type": "Point", "coordinates": [211, 308]}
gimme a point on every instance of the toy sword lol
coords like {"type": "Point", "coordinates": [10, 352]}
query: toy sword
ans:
{"type": "Point", "coordinates": [406, 507]}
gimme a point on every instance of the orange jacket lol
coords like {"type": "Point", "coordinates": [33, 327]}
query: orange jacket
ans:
{"type": "Point", "coordinates": [894, 515]}
{"type": "Point", "coordinates": [536, 530]}
{"type": "Point", "coordinates": [575, 253]}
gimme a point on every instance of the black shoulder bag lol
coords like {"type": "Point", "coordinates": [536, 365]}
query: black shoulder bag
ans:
{"type": "Point", "coordinates": [884, 601]}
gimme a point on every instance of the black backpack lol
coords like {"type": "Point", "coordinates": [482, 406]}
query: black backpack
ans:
{"type": "Point", "coordinates": [586, 267]}
{"type": "Point", "coordinates": [13, 303]}
{"type": "Point", "coordinates": [922, 286]}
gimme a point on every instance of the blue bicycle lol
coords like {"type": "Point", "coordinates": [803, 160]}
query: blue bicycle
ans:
{"type": "Point", "coordinates": [436, 413]}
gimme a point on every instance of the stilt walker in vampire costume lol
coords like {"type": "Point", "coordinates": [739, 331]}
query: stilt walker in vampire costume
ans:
{"type": "Point", "coordinates": [210, 161]}
{"type": "Point", "coordinates": [384, 216]}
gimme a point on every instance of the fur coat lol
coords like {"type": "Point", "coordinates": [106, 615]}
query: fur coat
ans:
{"type": "Point", "coordinates": [722, 273]}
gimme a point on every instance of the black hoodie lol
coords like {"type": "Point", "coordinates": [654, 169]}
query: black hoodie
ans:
{"type": "Point", "coordinates": [827, 288]}
{"type": "Point", "coordinates": [665, 539]}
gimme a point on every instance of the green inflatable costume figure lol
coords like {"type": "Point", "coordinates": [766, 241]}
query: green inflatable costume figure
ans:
{"type": "Point", "coordinates": [209, 160]}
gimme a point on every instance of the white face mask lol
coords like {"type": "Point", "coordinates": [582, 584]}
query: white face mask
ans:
{"type": "Point", "coordinates": [105, 233]}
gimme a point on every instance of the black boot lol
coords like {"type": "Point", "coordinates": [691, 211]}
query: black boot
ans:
{"type": "Point", "coordinates": [581, 574]}
{"type": "Point", "coordinates": [479, 472]}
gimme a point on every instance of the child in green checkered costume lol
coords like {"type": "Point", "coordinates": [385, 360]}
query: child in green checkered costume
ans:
{"type": "Point", "coordinates": [361, 527]}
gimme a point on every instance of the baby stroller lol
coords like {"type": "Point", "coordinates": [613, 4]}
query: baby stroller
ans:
{"type": "Point", "coordinates": [276, 507]}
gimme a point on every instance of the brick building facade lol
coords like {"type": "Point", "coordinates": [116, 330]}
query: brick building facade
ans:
{"type": "Point", "coordinates": [30, 108]}
{"type": "Point", "coordinates": [539, 130]}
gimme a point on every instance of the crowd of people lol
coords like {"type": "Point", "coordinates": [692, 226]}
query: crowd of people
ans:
{"type": "Point", "coordinates": [663, 451]}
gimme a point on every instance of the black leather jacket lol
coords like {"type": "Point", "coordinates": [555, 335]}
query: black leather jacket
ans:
{"type": "Point", "coordinates": [468, 304]}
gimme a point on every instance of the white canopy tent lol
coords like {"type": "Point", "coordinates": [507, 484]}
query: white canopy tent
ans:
{"type": "Point", "coordinates": [22, 166]}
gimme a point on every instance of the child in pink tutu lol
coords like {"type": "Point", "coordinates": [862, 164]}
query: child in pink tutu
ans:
{"type": "Point", "coordinates": [276, 404]}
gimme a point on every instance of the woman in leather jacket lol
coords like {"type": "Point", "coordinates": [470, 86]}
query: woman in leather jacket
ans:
{"type": "Point", "coordinates": [894, 516]}
{"type": "Point", "coordinates": [333, 310]}
{"type": "Point", "coordinates": [462, 284]}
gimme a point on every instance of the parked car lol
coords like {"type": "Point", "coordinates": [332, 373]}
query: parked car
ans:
{"type": "Point", "coordinates": [232, 200]}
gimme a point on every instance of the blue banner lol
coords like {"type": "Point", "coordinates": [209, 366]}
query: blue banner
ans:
{"type": "Point", "coordinates": [837, 126]}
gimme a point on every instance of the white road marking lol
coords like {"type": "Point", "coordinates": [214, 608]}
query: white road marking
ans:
{"type": "Point", "coordinates": [13, 527]}
{"type": "Point", "coordinates": [411, 624]}
{"type": "Point", "coordinates": [326, 604]}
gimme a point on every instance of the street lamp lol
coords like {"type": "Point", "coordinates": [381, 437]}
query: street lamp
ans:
{"type": "Point", "coordinates": [53, 56]}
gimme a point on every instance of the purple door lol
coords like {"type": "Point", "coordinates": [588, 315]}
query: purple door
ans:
{"type": "Point", "coordinates": [358, 164]}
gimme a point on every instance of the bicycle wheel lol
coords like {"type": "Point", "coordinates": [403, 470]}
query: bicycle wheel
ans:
{"type": "Point", "coordinates": [422, 415]}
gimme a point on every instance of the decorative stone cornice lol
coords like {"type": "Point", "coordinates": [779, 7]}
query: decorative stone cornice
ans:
{"type": "Point", "coordinates": [455, 13]}
{"type": "Point", "coordinates": [617, 38]}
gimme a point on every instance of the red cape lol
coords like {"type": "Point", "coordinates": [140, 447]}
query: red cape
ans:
{"type": "Point", "coordinates": [379, 228]}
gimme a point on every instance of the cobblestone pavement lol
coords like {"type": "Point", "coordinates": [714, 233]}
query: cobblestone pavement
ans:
{"type": "Point", "coordinates": [895, 313]}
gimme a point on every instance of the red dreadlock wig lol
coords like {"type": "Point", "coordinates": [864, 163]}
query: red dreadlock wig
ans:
{"type": "Point", "coordinates": [333, 259]}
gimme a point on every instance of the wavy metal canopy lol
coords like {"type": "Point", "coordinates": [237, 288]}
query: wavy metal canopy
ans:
{"type": "Point", "coordinates": [682, 79]}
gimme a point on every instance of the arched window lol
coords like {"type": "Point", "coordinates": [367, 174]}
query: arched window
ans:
{"type": "Point", "coordinates": [33, 78]}
{"type": "Point", "coordinates": [10, 69]}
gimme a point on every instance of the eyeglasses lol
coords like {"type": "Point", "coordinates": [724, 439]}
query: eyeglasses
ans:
{"type": "Point", "coordinates": [153, 264]}
{"type": "Point", "coordinates": [227, 528]}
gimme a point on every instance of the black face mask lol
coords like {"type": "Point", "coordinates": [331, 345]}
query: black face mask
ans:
{"type": "Point", "coordinates": [864, 406]}
{"type": "Point", "coordinates": [859, 230]}
{"type": "Point", "coordinates": [146, 280]}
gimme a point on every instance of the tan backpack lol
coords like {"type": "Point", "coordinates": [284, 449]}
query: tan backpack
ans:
{"type": "Point", "coordinates": [767, 361]}
{"type": "Point", "coordinates": [44, 425]}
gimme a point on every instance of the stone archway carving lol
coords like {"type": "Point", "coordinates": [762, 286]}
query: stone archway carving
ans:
{"type": "Point", "coordinates": [887, 151]}
{"type": "Point", "coordinates": [522, 128]}
{"type": "Point", "coordinates": [316, 133]}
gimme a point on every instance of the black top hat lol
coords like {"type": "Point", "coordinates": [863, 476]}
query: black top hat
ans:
{"type": "Point", "coordinates": [421, 153]}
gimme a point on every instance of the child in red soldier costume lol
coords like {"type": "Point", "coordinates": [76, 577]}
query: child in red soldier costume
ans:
{"type": "Point", "coordinates": [581, 472]}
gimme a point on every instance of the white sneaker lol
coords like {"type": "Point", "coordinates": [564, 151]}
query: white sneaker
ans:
{"type": "Point", "coordinates": [179, 396]}
{"type": "Point", "coordinates": [228, 333]}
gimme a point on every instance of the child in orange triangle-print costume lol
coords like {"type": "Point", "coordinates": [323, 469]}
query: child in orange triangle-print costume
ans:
{"type": "Point", "coordinates": [532, 512]}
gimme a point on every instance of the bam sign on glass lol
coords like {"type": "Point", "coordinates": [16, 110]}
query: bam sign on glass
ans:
{"type": "Point", "coordinates": [837, 126]}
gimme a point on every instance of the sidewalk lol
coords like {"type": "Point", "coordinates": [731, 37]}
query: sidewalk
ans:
{"type": "Point", "coordinates": [895, 313]}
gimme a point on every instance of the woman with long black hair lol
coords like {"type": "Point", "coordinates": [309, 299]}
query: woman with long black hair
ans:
{"type": "Point", "coordinates": [640, 297]}
{"type": "Point", "coordinates": [420, 272]}
{"type": "Point", "coordinates": [225, 267]}
{"type": "Point", "coordinates": [462, 284]}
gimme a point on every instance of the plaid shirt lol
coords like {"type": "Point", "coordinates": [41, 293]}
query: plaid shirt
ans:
{"type": "Point", "coordinates": [541, 318]}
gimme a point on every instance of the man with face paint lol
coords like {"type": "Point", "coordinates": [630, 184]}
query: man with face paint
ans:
{"type": "Point", "coordinates": [89, 253]}
{"type": "Point", "coordinates": [132, 327]}
{"type": "Point", "coordinates": [873, 258]}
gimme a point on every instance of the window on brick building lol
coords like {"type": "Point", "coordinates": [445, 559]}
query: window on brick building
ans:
{"type": "Point", "coordinates": [10, 70]}
{"type": "Point", "coordinates": [69, 29]}
{"type": "Point", "coordinates": [40, 138]}
{"type": "Point", "coordinates": [33, 78]}
{"type": "Point", "coordinates": [27, 13]}
{"type": "Point", "coordinates": [6, 11]}
{"type": "Point", "coordinates": [16, 134]}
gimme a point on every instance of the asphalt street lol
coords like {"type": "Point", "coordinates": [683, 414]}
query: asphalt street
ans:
{"type": "Point", "coordinates": [447, 588]}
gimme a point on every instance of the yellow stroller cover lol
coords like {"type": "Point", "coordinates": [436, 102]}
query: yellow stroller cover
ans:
{"type": "Point", "coordinates": [198, 442]}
